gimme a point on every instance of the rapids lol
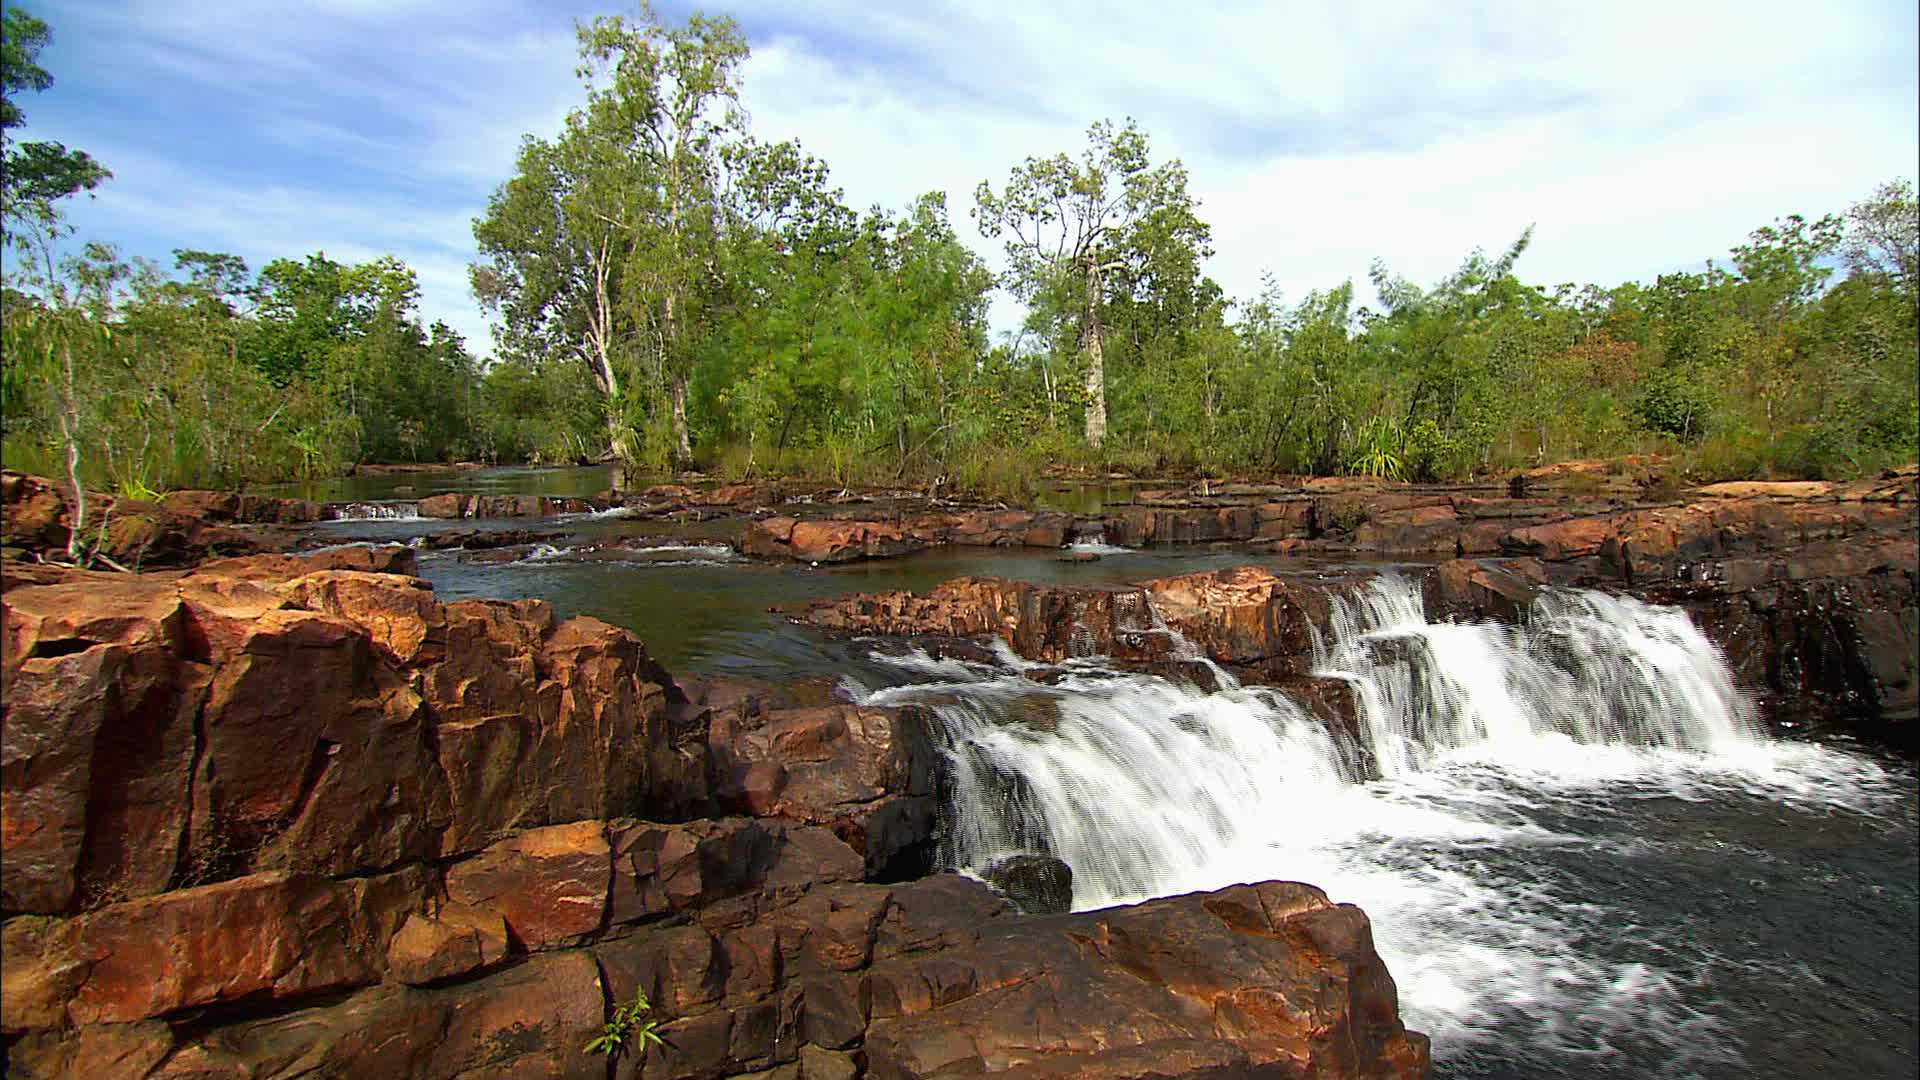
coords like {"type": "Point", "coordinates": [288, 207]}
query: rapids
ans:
{"type": "Point", "coordinates": [1580, 854]}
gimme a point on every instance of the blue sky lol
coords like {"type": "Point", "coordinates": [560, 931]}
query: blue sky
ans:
{"type": "Point", "coordinates": [1640, 137]}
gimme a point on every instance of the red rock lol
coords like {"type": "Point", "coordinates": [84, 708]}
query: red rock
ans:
{"type": "Point", "coordinates": [1281, 520]}
{"type": "Point", "coordinates": [456, 940]}
{"type": "Point", "coordinates": [445, 505]}
{"type": "Point", "coordinates": [268, 936]}
{"type": "Point", "coordinates": [39, 972]}
{"type": "Point", "coordinates": [1467, 590]}
{"type": "Point", "coordinates": [662, 869]}
{"type": "Point", "coordinates": [1434, 528]}
{"type": "Point", "coordinates": [35, 513]}
{"type": "Point", "coordinates": [532, 1019]}
{"type": "Point", "coordinates": [1243, 615]}
{"type": "Point", "coordinates": [550, 884]}
{"type": "Point", "coordinates": [1749, 489]}
{"type": "Point", "coordinates": [100, 1050]}
{"type": "Point", "coordinates": [97, 746]}
{"type": "Point", "coordinates": [866, 773]}
{"type": "Point", "coordinates": [376, 559]}
{"type": "Point", "coordinates": [1272, 972]}
{"type": "Point", "coordinates": [1560, 540]}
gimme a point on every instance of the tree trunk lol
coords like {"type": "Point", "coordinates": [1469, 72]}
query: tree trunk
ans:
{"type": "Point", "coordinates": [70, 434]}
{"type": "Point", "coordinates": [682, 444]}
{"type": "Point", "coordinates": [1096, 362]}
{"type": "Point", "coordinates": [602, 334]}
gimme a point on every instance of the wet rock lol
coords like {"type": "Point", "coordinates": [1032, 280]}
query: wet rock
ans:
{"type": "Point", "coordinates": [826, 541]}
{"type": "Point", "coordinates": [844, 540]}
{"type": "Point", "coordinates": [485, 539]}
{"type": "Point", "coordinates": [1037, 884]}
{"type": "Point", "coordinates": [1464, 590]}
{"type": "Point", "coordinates": [458, 505]}
{"type": "Point", "coordinates": [866, 773]}
{"type": "Point", "coordinates": [1244, 615]}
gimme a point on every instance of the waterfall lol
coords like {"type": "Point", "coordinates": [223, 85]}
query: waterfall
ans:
{"type": "Point", "coordinates": [1586, 667]}
{"type": "Point", "coordinates": [1145, 785]}
{"type": "Point", "coordinates": [1474, 751]}
{"type": "Point", "coordinates": [375, 511]}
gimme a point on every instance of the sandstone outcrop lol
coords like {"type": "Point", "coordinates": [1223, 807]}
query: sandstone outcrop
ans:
{"type": "Point", "coordinates": [460, 505]}
{"type": "Point", "coordinates": [1245, 616]}
{"type": "Point", "coordinates": [184, 528]}
{"type": "Point", "coordinates": [830, 540]}
{"type": "Point", "coordinates": [292, 815]}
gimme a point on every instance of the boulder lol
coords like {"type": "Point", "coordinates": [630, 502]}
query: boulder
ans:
{"type": "Point", "coordinates": [1037, 884]}
{"type": "Point", "coordinates": [165, 730]}
{"type": "Point", "coordinates": [456, 940]}
{"type": "Point", "coordinates": [1272, 975]}
{"type": "Point", "coordinates": [866, 773]}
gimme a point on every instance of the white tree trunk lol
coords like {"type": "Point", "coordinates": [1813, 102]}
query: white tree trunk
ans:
{"type": "Point", "coordinates": [1096, 361]}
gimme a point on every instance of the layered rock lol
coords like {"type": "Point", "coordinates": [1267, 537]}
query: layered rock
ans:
{"type": "Point", "coordinates": [272, 715]}
{"type": "Point", "coordinates": [461, 505]}
{"type": "Point", "coordinates": [1245, 616]}
{"type": "Point", "coordinates": [182, 529]}
{"type": "Point", "coordinates": [830, 540]}
{"type": "Point", "coordinates": [291, 815]}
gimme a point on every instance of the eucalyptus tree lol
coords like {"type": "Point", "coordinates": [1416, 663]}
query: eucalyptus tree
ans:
{"type": "Point", "coordinates": [1072, 225]}
{"type": "Point", "coordinates": [607, 241]}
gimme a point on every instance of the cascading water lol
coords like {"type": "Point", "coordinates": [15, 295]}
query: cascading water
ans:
{"type": "Point", "coordinates": [1587, 667]}
{"type": "Point", "coordinates": [1494, 765]}
{"type": "Point", "coordinates": [375, 511]}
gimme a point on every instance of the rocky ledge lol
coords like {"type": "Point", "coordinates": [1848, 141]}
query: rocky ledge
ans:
{"type": "Point", "coordinates": [293, 816]}
{"type": "Point", "coordinates": [1826, 633]}
{"type": "Point", "coordinates": [1558, 512]}
{"type": "Point", "coordinates": [182, 528]}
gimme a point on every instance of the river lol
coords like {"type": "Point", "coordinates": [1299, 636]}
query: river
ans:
{"type": "Point", "coordinates": [1581, 854]}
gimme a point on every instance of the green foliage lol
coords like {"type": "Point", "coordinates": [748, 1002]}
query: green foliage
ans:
{"type": "Point", "coordinates": [174, 386]}
{"type": "Point", "coordinates": [672, 291]}
{"type": "Point", "coordinates": [629, 1021]}
{"type": "Point", "coordinates": [33, 175]}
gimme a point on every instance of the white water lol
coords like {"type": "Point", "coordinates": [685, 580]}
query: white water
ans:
{"type": "Point", "coordinates": [662, 555]}
{"type": "Point", "coordinates": [374, 511]}
{"type": "Point", "coordinates": [1097, 545]}
{"type": "Point", "coordinates": [1476, 742]}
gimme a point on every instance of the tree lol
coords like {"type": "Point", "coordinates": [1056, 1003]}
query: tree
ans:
{"type": "Point", "coordinates": [1883, 237]}
{"type": "Point", "coordinates": [33, 175]}
{"type": "Point", "coordinates": [1072, 224]}
{"type": "Point", "coordinates": [610, 236]}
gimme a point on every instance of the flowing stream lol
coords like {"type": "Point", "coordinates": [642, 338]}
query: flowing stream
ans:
{"type": "Point", "coordinates": [1580, 854]}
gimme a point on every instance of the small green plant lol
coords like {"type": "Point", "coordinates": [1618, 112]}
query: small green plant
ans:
{"type": "Point", "coordinates": [628, 1022]}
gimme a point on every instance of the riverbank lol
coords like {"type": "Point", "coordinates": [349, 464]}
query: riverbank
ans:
{"type": "Point", "coordinates": [501, 821]}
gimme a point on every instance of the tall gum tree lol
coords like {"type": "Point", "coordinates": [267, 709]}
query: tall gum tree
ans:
{"type": "Point", "coordinates": [1070, 224]}
{"type": "Point", "coordinates": [605, 242]}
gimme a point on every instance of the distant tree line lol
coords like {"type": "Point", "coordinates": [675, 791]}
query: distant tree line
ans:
{"type": "Point", "coordinates": [669, 290]}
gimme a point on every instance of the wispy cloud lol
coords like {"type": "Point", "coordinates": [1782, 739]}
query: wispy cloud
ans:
{"type": "Point", "coordinates": [1640, 136]}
